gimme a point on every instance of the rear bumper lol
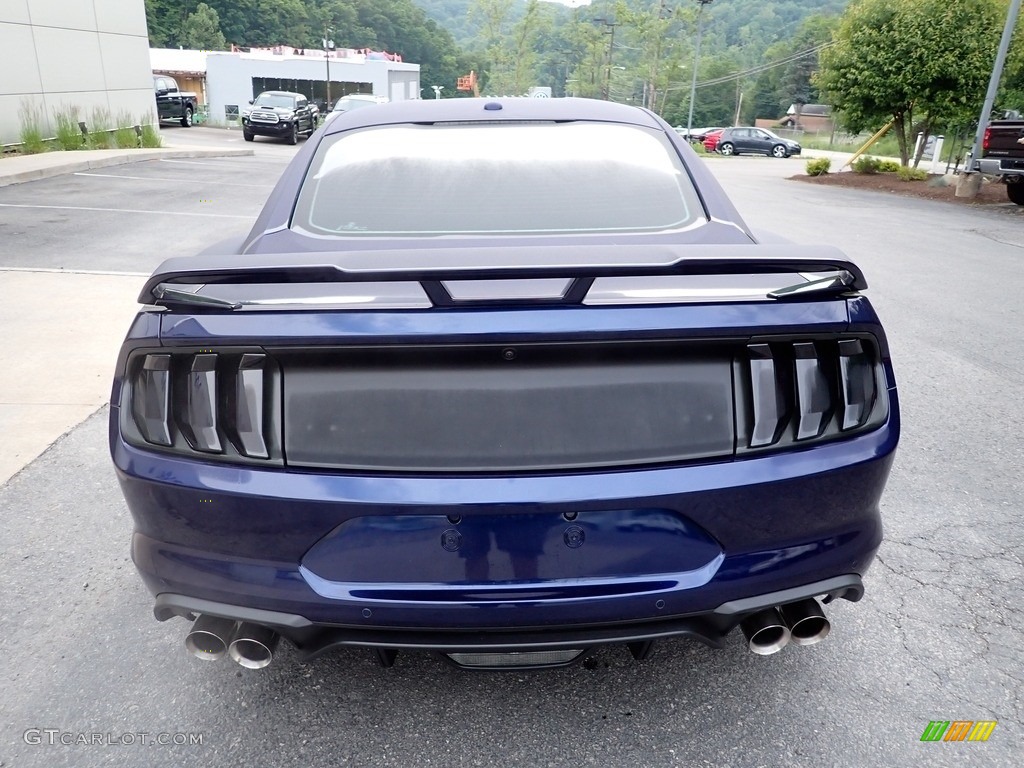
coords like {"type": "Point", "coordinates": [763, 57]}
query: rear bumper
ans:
{"type": "Point", "coordinates": [314, 639]}
{"type": "Point", "coordinates": [1001, 167]}
{"type": "Point", "coordinates": [231, 541]}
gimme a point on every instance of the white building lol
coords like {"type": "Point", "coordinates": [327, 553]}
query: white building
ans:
{"type": "Point", "coordinates": [226, 81]}
{"type": "Point", "coordinates": [59, 55]}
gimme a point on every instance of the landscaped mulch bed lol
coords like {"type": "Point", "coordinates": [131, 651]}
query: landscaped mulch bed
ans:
{"type": "Point", "coordinates": [992, 193]}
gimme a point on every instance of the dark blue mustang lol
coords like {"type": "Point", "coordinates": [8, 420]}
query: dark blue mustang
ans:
{"type": "Point", "coordinates": [507, 380]}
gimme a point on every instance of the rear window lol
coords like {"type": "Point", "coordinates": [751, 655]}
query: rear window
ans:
{"type": "Point", "coordinates": [495, 178]}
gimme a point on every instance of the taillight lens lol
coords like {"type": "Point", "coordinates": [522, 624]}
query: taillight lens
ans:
{"type": "Point", "coordinates": [200, 418]}
{"type": "Point", "coordinates": [857, 379]}
{"type": "Point", "coordinates": [769, 404]}
{"type": "Point", "coordinates": [814, 401]}
{"type": "Point", "coordinates": [151, 399]}
{"type": "Point", "coordinates": [249, 406]}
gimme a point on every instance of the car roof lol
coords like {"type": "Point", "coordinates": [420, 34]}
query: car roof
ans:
{"type": "Point", "coordinates": [498, 109]}
{"type": "Point", "coordinates": [280, 93]}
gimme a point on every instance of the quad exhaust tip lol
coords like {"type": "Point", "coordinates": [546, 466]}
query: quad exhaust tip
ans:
{"type": "Point", "coordinates": [209, 637]}
{"type": "Point", "coordinates": [766, 632]}
{"type": "Point", "coordinates": [254, 645]}
{"type": "Point", "coordinates": [806, 621]}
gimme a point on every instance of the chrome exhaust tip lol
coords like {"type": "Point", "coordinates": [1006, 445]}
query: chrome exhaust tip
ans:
{"type": "Point", "coordinates": [254, 646]}
{"type": "Point", "coordinates": [766, 632]}
{"type": "Point", "coordinates": [209, 637]}
{"type": "Point", "coordinates": [806, 621]}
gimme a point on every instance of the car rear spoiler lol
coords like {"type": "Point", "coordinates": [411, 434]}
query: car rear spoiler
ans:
{"type": "Point", "coordinates": [583, 263]}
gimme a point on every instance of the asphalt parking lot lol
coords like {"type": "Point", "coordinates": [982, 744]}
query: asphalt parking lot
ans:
{"type": "Point", "coordinates": [938, 636]}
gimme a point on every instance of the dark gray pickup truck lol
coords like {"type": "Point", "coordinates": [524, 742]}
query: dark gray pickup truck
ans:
{"type": "Point", "coordinates": [172, 104]}
{"type": "Point", "coordinates": [1002, 155]}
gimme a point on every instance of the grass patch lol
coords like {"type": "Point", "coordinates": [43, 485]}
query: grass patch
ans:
{"type": "Point", "coordinates": [124, 135]}
{"type": "Point", "coordinates": [31, 134]}
{"type": "Point", "coordinates": [69, 135]}
{"type": "Point", "coordinates": [100, 123]}
{"type": "Point", "coordinates": [151, 137]}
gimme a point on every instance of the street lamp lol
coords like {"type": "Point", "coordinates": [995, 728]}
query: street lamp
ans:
{"type": "Point", "coordinates": [696, 58]}
{"type": "Point", "coordinates": [328, 44]}
{"type": "Point", "coordinates": [437, 90]}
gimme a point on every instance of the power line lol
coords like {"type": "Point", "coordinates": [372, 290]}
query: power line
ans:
{"type": "Point", "coordinates": [765, 67]}
{"type": "Point", "coordinates": [758, 69]}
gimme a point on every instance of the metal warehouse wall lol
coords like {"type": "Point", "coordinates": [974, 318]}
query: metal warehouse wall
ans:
{"type": "Point", "coordinates": [61, 54]}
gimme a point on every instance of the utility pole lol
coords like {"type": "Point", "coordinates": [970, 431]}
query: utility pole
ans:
{"type": "Point", "coordinates": [696, 59]}
{"type": "Point", "coordinates": [608, 64]}
{"type": "Point", "coordinates": [969, 183]}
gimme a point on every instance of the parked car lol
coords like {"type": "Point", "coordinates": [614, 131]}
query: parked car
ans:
{"type": "Point", "coordinates": [506, 380]}
{"type": "Point", "coordinates": [711, 138]}
{"type": "Point", "coordinates": [735, 141]}
{"type": "Point", "coordinates": [697, 135]}
{"type": "Point", "coordinates": [174, 104]}
{"type": "Point", "coordinates": [280, 114]}
{"type": "Point", "coordinates": [355, 101]}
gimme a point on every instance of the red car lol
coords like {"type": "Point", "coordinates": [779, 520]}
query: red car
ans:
{"type": "Point", "coordinates": [711, 140]}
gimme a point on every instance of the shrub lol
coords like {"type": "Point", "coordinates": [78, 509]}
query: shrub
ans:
{"type": "Point", "coordinates": [866, 164]}
{"type": "Point", "coordinates": [906, 173]}
{"type": "Point", "coordinates": [69, 135]}
{"type": "Point", "coordinates": [31, 128]}
{"type": "Point", "coordinates": [151, 136]}
{"type": "Point", "coordinates": [819, 166]}
{"type": "Point", "coordinates": [889, 166]}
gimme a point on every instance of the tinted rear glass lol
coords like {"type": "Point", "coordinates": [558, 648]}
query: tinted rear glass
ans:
{"type": "Point", "coordinates": [494, 178]}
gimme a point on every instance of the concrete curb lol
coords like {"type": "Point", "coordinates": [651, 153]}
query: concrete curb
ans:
{"type": "Point", "coordinates": [17, 170]}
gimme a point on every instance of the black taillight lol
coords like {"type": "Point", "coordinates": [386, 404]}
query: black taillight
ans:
{"type": "Point", "coordinates": [799, 391]}
{"type": "Point", "coordinates": [205, 402]}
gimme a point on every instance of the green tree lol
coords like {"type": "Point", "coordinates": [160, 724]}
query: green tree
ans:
{"type": "Point", "coordinates": [201, 30]}
{"type": "Point", "coordinates": [895, 60]}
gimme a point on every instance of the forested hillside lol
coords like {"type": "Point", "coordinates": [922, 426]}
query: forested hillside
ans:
{"type": "Point", "coordinates": [638, 51]}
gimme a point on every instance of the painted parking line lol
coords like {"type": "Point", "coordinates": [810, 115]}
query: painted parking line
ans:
{"type": "Point", "coordinates": [53, 271]}
{"type": "Point", "coordinates": [126, 210]}
{"type": "Point", "coordinates": [225, 162]}
{"type": "Point", "coordinates": [173, 181]}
